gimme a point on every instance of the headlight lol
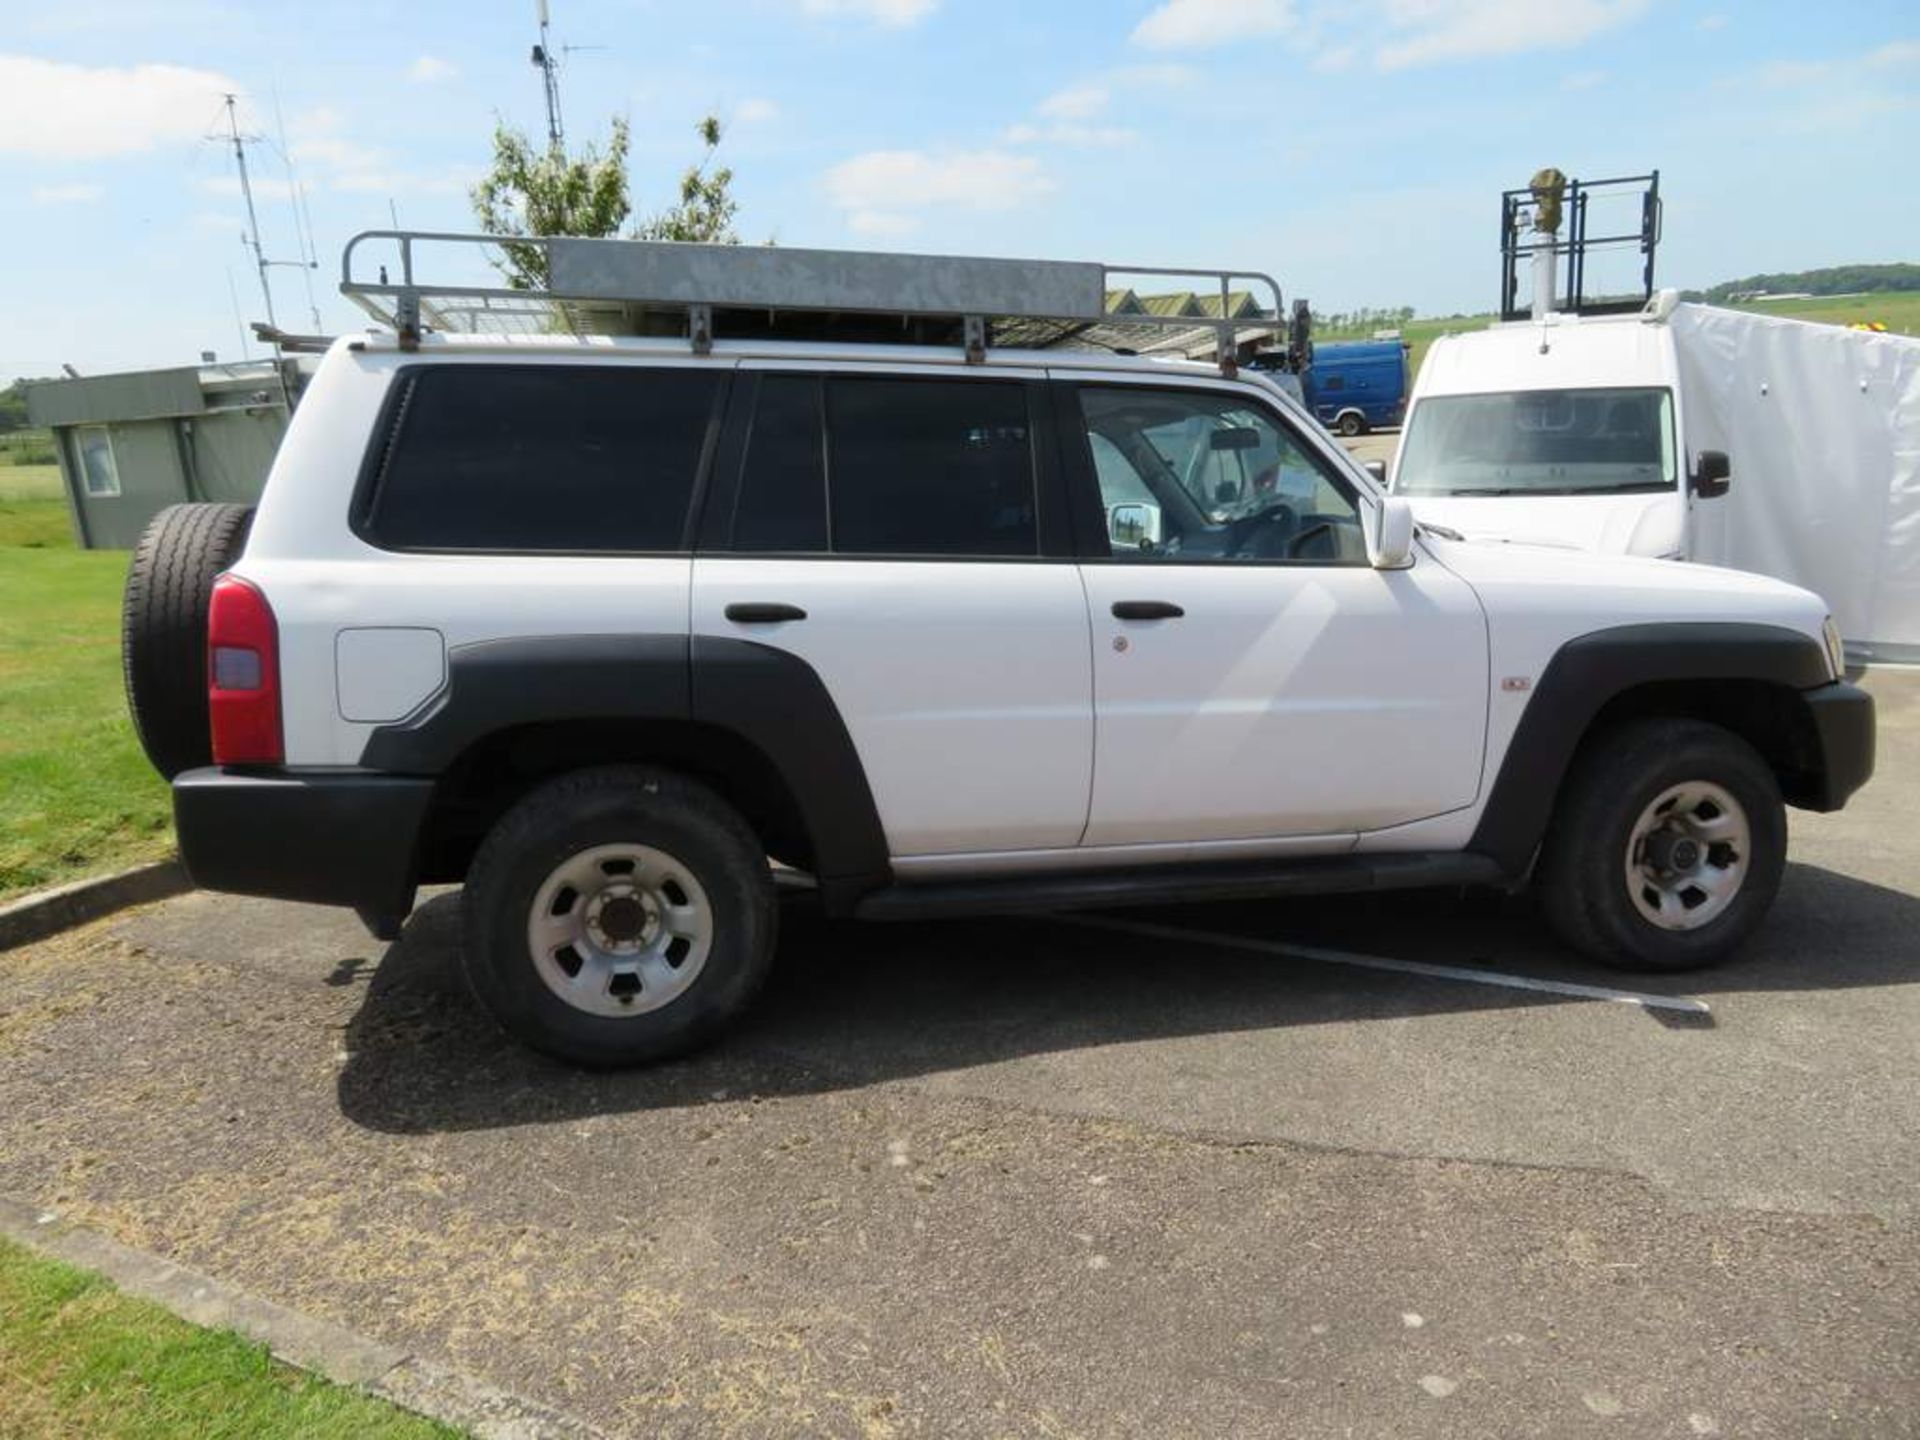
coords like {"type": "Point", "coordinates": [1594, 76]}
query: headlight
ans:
{"type": "Point", "coordinates": [1836, 648]}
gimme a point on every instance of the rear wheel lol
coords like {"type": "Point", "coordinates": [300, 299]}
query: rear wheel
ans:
{"type": "Point", "coordinates": [619, 916]}
{"type": "Point", "coordinates": [1350, 424]}
{"type": "Point", "coordinates": [1666, 849]}
{"type": "Point", "coordinates": [163, 628]}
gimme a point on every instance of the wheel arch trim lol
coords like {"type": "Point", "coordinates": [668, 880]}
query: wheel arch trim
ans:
{"type": "Point", "coordinates": [1587, 674]}
{"type": "Point", "coordinates": [768, 700]}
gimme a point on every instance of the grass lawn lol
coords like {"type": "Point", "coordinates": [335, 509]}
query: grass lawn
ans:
{"type": "Point", "coordinates": [77, 796]}
{"type": "Point", "coordinates": [79, 1359]}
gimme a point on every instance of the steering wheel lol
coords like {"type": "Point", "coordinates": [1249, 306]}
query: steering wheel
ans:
{"type": "Point", "coordinates": [1247, 532]}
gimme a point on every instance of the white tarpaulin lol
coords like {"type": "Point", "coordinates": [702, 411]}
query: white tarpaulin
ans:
{"type": "Point", "coordinates": [1822, 426]}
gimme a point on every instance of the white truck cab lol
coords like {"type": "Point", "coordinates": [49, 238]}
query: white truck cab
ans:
{"type": "Point", "coordinates": [1567, 433]}
{"type": "Point", "coordinates": [1686, 432]}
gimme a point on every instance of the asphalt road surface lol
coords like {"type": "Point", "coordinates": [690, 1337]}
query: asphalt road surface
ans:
{"type": "Point", "coordinates": [1191, 1173]}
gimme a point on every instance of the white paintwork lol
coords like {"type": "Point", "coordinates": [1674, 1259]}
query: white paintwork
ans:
{"type": "Point", "coordinates": [321, 579]}
{"type": "Point", "coordinates": [1288, 700]}
{"type": "Point", "coordinates": [387, 672]}
{"type": "Point", "coordinates": [1538, 599]}
{"type": "Point", "coordinates": [1647, 525]}
{"type": "Point", "coordinates": [1293, 710]}
{"type": "Point", "coordinates": [964, 684]}
{"type": "Point", "coordinates": [1569, 352]}
{"type": "Point", "coordinates": [1390, 536]}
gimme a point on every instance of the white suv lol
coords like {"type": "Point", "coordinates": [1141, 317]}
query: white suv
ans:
{"type": "Point", "coordinates": [614, 631]}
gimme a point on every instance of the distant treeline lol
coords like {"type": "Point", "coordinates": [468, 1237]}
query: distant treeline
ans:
{"type": "Point", "coordinates": [13, 407]}
{"type": "Point", "coordinates": [1833, 280]}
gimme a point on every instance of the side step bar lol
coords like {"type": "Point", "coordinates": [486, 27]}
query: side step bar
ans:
{"type": "Point", "coordinates": [1167, 885]}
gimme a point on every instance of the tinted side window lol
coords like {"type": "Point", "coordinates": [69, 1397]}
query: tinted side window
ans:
{"type": "Point", "coordinates": [783, 484]}
{"type": "Point", "coordinates": [930, 467]}
{"type": "Point", "coordinates": [544, 458]}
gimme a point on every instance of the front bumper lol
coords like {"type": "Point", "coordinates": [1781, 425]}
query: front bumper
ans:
{"type": "Point", "coordinates": [332, 838]}
{"type": "Point", "coordinates": [1843, 730]}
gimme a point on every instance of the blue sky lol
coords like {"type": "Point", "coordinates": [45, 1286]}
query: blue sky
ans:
{"type": "Point", "coordinates": [1354, 149]}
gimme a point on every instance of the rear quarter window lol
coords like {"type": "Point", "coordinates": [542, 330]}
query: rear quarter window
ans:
{"type": "Point", "coordinates": [564, 458]}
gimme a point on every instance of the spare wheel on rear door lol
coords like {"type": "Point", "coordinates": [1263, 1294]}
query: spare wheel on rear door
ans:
{"type": "Point", "coordinates": [163, 633]}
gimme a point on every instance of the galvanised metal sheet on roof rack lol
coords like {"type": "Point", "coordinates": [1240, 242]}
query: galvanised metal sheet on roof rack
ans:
{"type": "Point", "coordinates": [775, 278]}
{"type": "Point", "coordinates": [627, 286]}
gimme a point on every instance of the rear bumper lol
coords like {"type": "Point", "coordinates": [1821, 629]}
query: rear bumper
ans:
{"type": "Point", "coordinates": [340, 838]}
{"type": "Point", "coordinates": [1843, 728]}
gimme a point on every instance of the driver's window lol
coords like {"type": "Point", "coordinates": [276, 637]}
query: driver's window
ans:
{"type": "Point", "coordinates": [1197, 476]}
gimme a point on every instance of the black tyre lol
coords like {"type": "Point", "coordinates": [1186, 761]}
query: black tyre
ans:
{"type": "Point", "coordinates": [619, 916]}
{"type": "Point", "coordinates": [163, 628]}
{"type": "Point", "coordinates": [1351, 424]}
{"type": "Point", "coordinates": [1666, 847]}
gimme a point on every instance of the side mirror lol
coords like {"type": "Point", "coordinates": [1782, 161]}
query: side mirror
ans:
{"type": "Point", "coordinates": [1378, 470]}
{"type": "Point", "coordinates": [1133, 527]}
{"type": "Point", "coordinates": [1390, 534]}
{"type": "Point", "coordinates": [1711, 474]}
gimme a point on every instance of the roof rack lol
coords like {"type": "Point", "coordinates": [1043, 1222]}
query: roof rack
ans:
{"type": "Point", "coordinates": [603, 287]}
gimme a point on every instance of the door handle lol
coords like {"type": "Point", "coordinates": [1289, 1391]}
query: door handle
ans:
{"type": "Point", "coordinates": [1146, 610]}
{"type": "Point", "coordinates": [763, 612]}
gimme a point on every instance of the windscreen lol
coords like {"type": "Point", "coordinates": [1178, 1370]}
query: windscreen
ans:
{"type": "Point", "coordinates": [1540, 442]}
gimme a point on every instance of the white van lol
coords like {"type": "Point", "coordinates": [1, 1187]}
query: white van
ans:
{"type": "Point", "coordinates": [1686, 432]}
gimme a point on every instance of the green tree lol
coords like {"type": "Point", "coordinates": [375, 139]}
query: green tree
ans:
{"type": "Point", "coordinates": [706, 207]}
{"type": "Point", "coordinates": [531, 191]}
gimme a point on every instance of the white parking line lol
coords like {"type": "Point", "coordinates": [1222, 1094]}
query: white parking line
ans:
{"type": "Point", "coordinates": [1685, 1004]}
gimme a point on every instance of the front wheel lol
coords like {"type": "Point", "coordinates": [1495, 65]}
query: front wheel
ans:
{"type": "Point", "coordinates": [1351, 424]}
{"type": "Point", "coordinates": [1666, 848]}
{"type": "Point", "coordinates": [619, 916]}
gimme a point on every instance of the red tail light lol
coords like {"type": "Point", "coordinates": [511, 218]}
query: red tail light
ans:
{"type": "Point", "coordinates": [243, 675]}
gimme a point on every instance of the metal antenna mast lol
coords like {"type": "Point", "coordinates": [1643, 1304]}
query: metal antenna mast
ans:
{"type": "Point", "coordinates": [252, 238]}
{"type": "Point", "coordinates": [549, 66]}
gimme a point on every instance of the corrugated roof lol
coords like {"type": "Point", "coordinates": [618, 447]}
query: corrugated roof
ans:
{"type": "Point", "coordinates": [1180, 302]}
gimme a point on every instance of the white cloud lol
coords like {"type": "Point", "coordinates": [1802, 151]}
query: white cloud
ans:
{"type": "Point", "coordinates": [57, 111]}
{"type": "Point", "coordinates": [894, 13]}
{"type": "Point", "coordinates": [78, 193]}
{"type": "Point", "coordinates": [1584, 80]}
{"type": "Point", "coordinates": [1202, 24]}
{"type": "Point", "coordinates": [1159, 75]}
{"type": "Point", "coordinates": [1340, 57]}
{"type": "Point", "coordinates": [1070, 133]}
{"type": "Point", "coordinates": [880, 190]}
{"type": "Point", "coordinates": [429, 68]}
{"type": "Point", "coordinates": [1076, 102]}
{"type": "Point", "coordinates": [1442, 30]}
{"type": "Point", "coordinates": [1900, 52]}
{"type": "Point", "coordinates": [1711, 22]}
{"type": "Point", "coordinates": [1066, 118]}
{"type": "Point", "coordinates": [881, 223]}
{"type": "Point", "coordinates": [332, 153]}
{"type": "Point", "coordinates": [755, 111]}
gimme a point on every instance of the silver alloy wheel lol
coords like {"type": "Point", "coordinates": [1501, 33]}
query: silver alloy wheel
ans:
{"type": "Point", "coordinates": [620, 930]}
{"type": "Point", "coordinates": [1687, 856]}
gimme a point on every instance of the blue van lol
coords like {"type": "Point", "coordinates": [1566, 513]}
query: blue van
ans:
{"type": "Point", "coordinates": [1355, 386]}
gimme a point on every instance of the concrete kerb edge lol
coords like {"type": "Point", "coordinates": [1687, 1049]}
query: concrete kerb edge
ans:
{"type": "Point", "coordinates": [305, 1341]}
{"type": "Point", "coordinates": [48, 912]}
